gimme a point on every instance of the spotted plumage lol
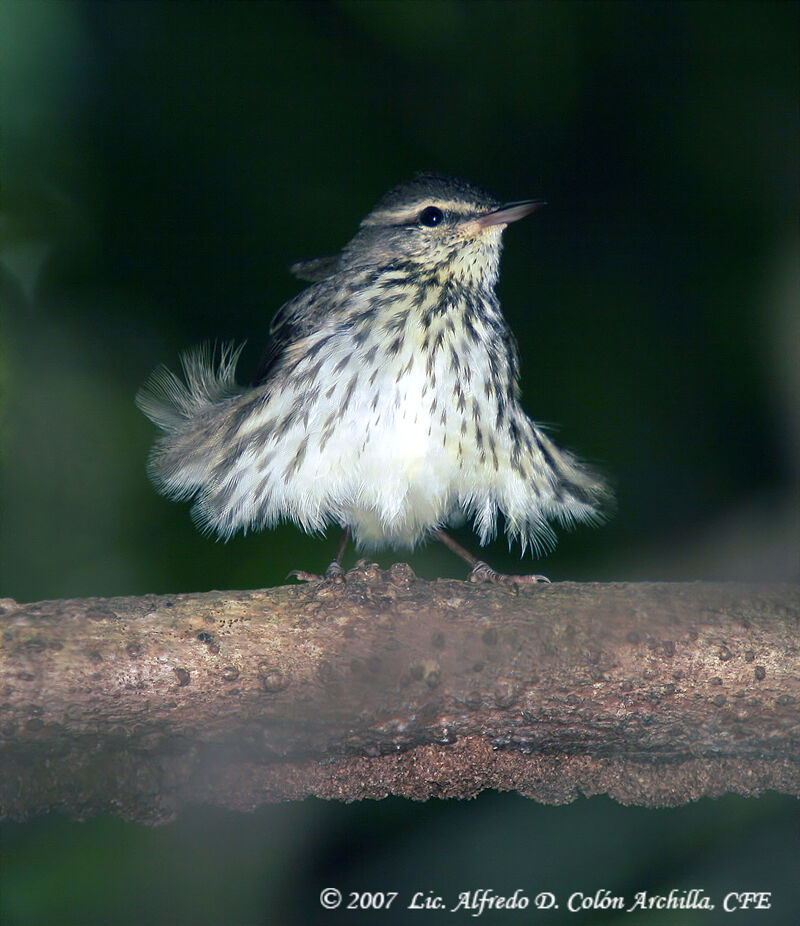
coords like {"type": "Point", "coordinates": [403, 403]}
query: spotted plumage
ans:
{"type": "Point", "coordinates": [388, 401]}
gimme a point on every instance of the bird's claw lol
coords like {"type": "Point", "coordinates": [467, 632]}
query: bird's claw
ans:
{"type": "Point", "coordinates": [333, 574]}
{"type": "Point", "coordinates": [483, 572]}
{"type": "Point", "coordinates": [302, 576]}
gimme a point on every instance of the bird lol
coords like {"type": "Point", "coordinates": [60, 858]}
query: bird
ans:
{"type": "Point", "coordinates": [388, 400]}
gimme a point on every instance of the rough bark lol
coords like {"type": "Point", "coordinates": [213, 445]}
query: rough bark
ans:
{"type": "Point", "coordinates": [656, 694]}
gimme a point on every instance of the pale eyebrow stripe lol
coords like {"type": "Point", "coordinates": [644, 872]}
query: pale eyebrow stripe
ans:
{"type": "Point", "coordinates": [407, 213]}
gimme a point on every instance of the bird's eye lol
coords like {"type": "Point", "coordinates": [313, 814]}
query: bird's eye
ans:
{"type": "Point", "coordinates": [430, 216]}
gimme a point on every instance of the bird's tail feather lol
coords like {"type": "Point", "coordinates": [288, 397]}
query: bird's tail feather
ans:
{"type": "Point", "coordinates": [169, 401]}
{"type": "Point", "coordinates": [189, 412]}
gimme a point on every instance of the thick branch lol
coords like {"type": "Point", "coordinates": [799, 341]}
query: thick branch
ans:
{"type": "Point", "coordinates": [656, 694]}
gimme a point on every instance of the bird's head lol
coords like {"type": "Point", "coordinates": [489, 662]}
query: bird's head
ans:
{"type": "Point", "coordinates": [445, 226]}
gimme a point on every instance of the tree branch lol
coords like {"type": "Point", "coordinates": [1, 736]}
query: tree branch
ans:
{"type": "Point", "coordinates": [656, 694]}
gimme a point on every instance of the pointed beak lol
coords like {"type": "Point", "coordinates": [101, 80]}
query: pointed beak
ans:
{"type": "Point", "coordinates": [511, 212]}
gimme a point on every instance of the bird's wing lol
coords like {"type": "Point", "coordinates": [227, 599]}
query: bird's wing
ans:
{"type": "Point", "coordinates": [295, 319]}
{"type": "Point", "coordinates": [303, 314]}
{"type": "Point", "coordinates": [316, 268]}
{"type": "Point", "coordinates": [284, 328]}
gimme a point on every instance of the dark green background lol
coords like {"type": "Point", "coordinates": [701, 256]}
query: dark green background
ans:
{"type": "Point", "coordinates": [162, 166]}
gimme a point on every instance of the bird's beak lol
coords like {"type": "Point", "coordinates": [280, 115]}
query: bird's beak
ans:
{"type": "Point", "coordinates": [511, 212]}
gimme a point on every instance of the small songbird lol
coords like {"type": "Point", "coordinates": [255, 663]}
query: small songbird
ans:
{"type": "Point", "coordinates": [388, 401]}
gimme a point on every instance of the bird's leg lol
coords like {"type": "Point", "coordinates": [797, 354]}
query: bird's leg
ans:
{"type": "Point", "coordinates": [482, 572]}
{"type": "Point", "coordinates": [334, 572]}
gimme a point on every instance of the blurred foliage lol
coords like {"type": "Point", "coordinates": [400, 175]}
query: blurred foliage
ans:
{"type": "Point", "coordinates": [270, 866]}
{"type": "Point", "coordinates": [164, 163]}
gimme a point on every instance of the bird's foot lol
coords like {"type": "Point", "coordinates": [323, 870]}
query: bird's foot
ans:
{"type": "Point", "coordinates": [483, 572]}
{"type": "Point", "coordinates": [333, 574]}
